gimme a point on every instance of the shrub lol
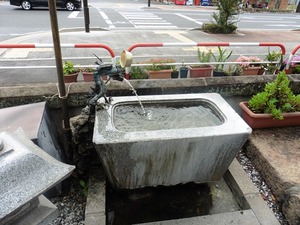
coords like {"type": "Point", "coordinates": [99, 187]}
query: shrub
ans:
{"type": "Point", "coordinates": [223, 20]}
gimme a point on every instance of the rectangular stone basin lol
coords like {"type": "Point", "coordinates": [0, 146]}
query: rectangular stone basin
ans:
{"type": "Point", "coordinates": [182, 138]}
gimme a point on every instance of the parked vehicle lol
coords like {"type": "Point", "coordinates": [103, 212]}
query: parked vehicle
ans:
{"type": "Point", "coordinates": [28, 4]}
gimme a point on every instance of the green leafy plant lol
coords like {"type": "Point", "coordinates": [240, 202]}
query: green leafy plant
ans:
{"type": "Point", "coordinates": [159, 64]}
{"type": "Point", "coordinates": [138, 72]}
{"type": "Point", "coordinates": [274, 56]}
{"type": "Point", "coordinates": [277, 98]}
{"type": "Point", "coordinates": [203, 57]}
{"type": "Point", "coordinates": [234, 70]}
{"type": "Point", "coordinates": [276, 60]}
{"type": "Point", "coordinates": [85, 187]}
{"type": "Point", "coordinates": [88, 69]}
{"type": "Point", "coordinates": [221, 57]}
{"type": "Point", "coordinates": [297, 69]}
{"type": "Point", "coordinates": [68, 68]}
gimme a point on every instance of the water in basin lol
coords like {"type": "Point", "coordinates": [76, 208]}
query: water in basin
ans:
{"type": "Point", "coordinates": [166, 115]}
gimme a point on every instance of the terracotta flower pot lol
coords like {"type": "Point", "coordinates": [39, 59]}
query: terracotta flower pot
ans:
{"type": "Point", "coordinates": [160, 74]}
{"type": "Point", "coordinates": [255, 70]}
{"type": "Point", "coordinates": [71, 78]}
{"type": "Point", "coordinates": [260, 120]}
{"type": "Point", "coordinates": [88, 76]}
{"type": "Point", "coordinates": [201, 71]}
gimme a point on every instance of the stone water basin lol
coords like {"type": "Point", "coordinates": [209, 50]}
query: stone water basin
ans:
{"type": "Point", "coordinates": [182, 138]}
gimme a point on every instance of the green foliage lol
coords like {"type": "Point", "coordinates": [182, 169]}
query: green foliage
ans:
{"type": "Point", "coordinates": [218, 29]}
{"type": "Point", "coordinates": [276, 59]}
{"type": "Point", "coordinates": [159, 64]}
{"type": "Point", "coordinates": [222, 56]}
{"type": "Point", "coordinates": [204, 57]}
{"type": "Point", "coordinates": [88, 69]}
{"type": "Point", "coordinates": [297, 69]}
{"type": "Point", "coordinates": [85, 187]}
{"type": "Point", "coordinates": [223, 20]}
{"type": "Point", "coordinates": [68, 68]}
{"type": "Point", "coordinates": [234, 70]}
{"type": "Point", "coordinates": [138, 72]}
{"type": "Point", "coordinates": [277, 98]}
{"type": "Point", "coordinates": [274, 56]}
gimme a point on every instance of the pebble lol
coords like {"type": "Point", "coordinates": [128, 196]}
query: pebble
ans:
{"type": "Point", "coordinates": [71, 206]}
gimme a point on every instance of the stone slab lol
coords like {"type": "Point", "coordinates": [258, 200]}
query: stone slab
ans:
{"type": "Point", "coordinates": [26, 172]}
{"type": "Point", "coordinates": [95, 202]}
{"type": "Point", "coordinates": [43, 214]}
{"type": "Point", "coordinates": [275, 154]}
{"type": "Point", "coordinates": [245, 217]}
{"type": "Point", "coordinates": [28, 117]}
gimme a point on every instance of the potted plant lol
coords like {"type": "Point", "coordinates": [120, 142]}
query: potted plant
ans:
{"type": "Point", "coordinates": [203, 70]}
{"type": "Point", "coordinates": [138, 72]}
{"type": "Point", "coordinates": [159, 68]}
{"type": "Point", "coordinates": [70, 72]}
{"type": "Point", "coordinates": [294, 62]}
{"type": "Point", "coordinates": [234, 70]}
{"type": "Point", "coordinates": [175, 72]}
{"type": "Point", "coordinates": [183, 70]}
{"type": "Point", "coordinates": [250, 65]}
{"type": "Point", "coordinates": [275, 61]}
{"type": "Point", "coordinates": [88, 73]}
{"type": "Point", "coordinates": [222, 57]}
{"type": "Point", "coordinates": [276, 106]}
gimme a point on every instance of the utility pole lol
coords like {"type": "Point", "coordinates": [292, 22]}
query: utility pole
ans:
{"type": "Point", "coordinates": [298, 7]}
{"type": "Point", "coordinates": [86, 16]}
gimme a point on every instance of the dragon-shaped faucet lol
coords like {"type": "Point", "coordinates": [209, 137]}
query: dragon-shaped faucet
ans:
{"type": "Point", "coordinates": [114, 72]}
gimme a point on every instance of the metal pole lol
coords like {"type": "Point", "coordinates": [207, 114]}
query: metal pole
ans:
{"type": "Point", "coordinates": [86, 16]}
{"type": "Point", "coordinates": [59, 68]}
{"type": "Point", "coordinates": [149, 1]}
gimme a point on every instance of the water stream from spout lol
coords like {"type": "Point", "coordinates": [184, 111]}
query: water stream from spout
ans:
{"type": "Point", "coordinates": [138, 98]}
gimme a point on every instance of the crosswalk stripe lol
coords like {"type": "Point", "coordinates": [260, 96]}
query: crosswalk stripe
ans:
{"type": "Point", "coordinates": [107, 20]}
{"type": "Point", "coordinates": [142, 19]}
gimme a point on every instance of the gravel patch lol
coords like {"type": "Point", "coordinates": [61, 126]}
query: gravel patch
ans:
{"type": "Point", "coordinates": [71, 206]}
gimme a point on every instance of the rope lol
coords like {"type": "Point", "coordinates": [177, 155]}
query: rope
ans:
{"type": "Point", "coordinates": [58, 94]}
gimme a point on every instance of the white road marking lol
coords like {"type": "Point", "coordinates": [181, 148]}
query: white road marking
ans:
{"type": "Point", "coordinates": [107, 20]}
{"type": "Point", "coordinates": [188, 18]}
{"type": "Point", "coordinates": [74, 15]}
{"type": "Point", "coordinates": [142, 19]}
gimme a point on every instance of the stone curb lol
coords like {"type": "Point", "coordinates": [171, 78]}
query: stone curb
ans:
{"type": "Point", "coordinates": [275, 154]}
